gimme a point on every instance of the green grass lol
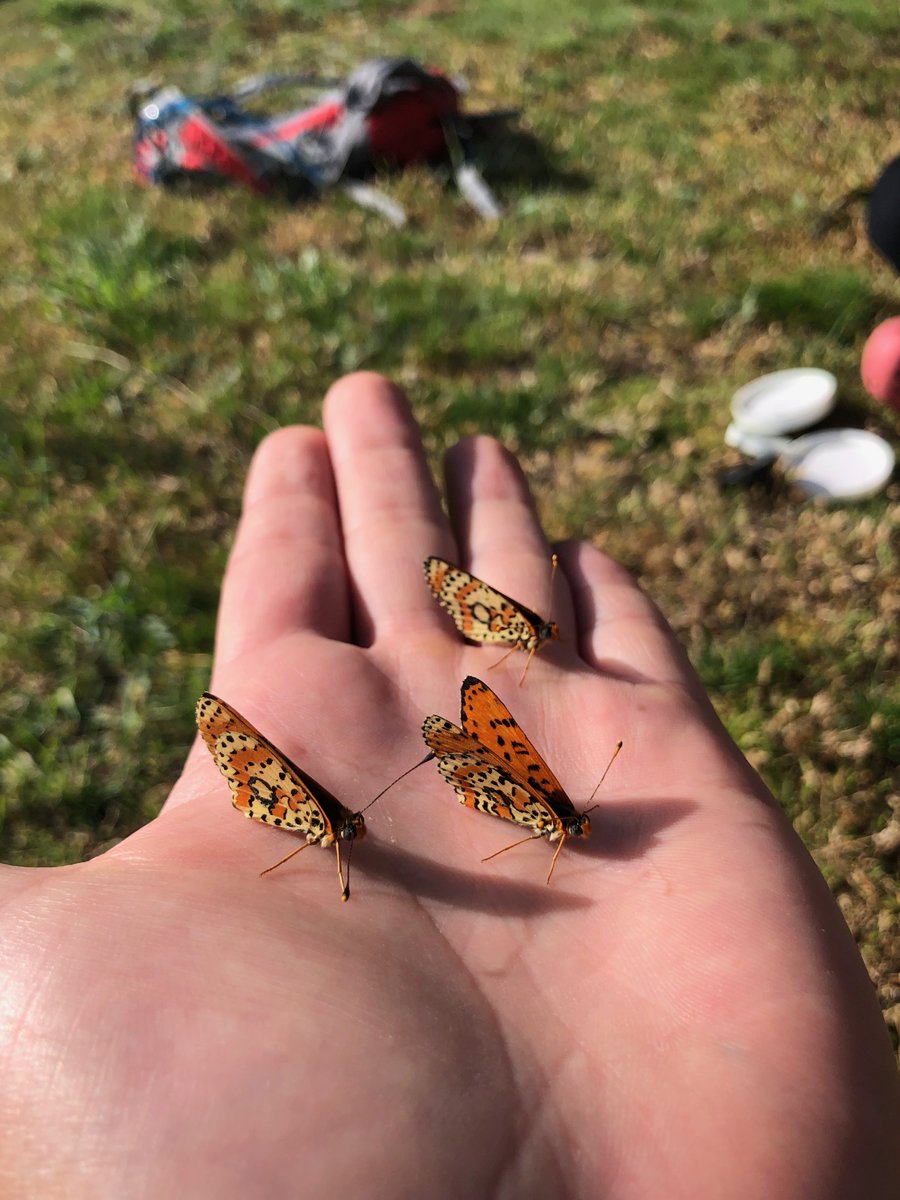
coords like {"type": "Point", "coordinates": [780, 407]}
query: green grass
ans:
{"type": "Point", "coordinates": [662, 191]}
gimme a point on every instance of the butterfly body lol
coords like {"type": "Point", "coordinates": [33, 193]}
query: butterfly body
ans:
{"type": "Point", "coordinates": [483, 614]}
{"type": "Point", "coordinates": [493, 768]}
{"type": "Point", "coordinates": [266, 786]}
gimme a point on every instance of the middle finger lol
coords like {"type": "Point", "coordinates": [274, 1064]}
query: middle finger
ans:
{"type": "Point", "coordinates": [390, 510]}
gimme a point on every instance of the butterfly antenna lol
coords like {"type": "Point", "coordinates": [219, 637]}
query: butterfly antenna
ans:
{"type": "Point", "coordinates": [619, 746]}
{"type": "Point", "coordinates": [520, 842]}
{"type": "Point", "coordinates": [427, 758]}
{"type": "Point", "coordinates": [345, 886]}
{"type": "Point", "coordinates": [554, 563]}
{"type": "Point", "coordinates": [562, 842]}
{"type": "Point", "coordinates": [286, 857]}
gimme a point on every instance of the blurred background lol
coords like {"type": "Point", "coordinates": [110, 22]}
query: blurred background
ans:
{"type": "Point", "coordinates": [661, 245]}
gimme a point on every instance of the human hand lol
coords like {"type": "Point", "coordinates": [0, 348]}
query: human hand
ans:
{"type": "Point", "coordinates": [682, 1013]}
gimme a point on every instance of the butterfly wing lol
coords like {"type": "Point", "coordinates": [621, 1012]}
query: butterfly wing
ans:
{"type": "Point", "coordinates": [265, 784]}
{"type": "Point", "coordinates": [479, 781]}
{"type": "Point", "coordinates": [264, 787]}
{"type": "Point", "coordinates": [480, 612]}
{"type": "Point", "coordinates": [215, 717]}
{"type": "Point", "coordinates": [487, 719]}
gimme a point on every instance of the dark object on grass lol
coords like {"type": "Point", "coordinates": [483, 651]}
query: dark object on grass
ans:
{"type": "Point", "coordinates": [884, 214]}
{"type": "Point", "coordinates": [757, 472]}
{"type": "Point", "coordinates": [390, 112]}
{"type": "Point", "coordinates": [882, 218]}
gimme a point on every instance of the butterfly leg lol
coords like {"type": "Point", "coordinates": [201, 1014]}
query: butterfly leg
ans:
{"type": "Point", "coordinates": [345, 886]}
{"type": "Point", "coordinates": [531, 837]}
{"type": "Point", "coordinates": [286, 857]}
{"type": "Point", "coordinates": [562, 842]}
{"type": "Point", "coordinates": [504, 658]}
{"type": "Point", "coordinates": [531, 653]}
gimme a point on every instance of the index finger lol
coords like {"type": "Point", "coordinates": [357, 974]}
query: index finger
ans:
{"type": "Point", "coordinates": [286, 570]}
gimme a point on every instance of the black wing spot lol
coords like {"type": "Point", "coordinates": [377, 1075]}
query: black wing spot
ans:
{"type": "Point", "coordinates": [262, 791]}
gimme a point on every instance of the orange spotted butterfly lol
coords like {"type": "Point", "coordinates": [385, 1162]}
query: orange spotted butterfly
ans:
{"type": "Point", "coordinates": [482, 614]}
{"type": "Point", "coordinates": [267, 786]}
{"type": "Point", "coordinates": [493, 767]}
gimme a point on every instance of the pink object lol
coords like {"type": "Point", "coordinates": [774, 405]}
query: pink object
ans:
{"type": "Point", "coordinates": [880, 366]}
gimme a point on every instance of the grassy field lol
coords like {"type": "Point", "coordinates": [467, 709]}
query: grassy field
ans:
{"type": "Point", "coordinates": [659, 249]}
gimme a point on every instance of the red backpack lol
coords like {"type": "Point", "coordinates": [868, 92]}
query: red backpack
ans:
{"type": "Point", "coordinates": [389, 112]}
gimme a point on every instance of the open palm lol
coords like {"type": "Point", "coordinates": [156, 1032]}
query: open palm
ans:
{"type": "Point", "coordinates": [681, 1013]}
